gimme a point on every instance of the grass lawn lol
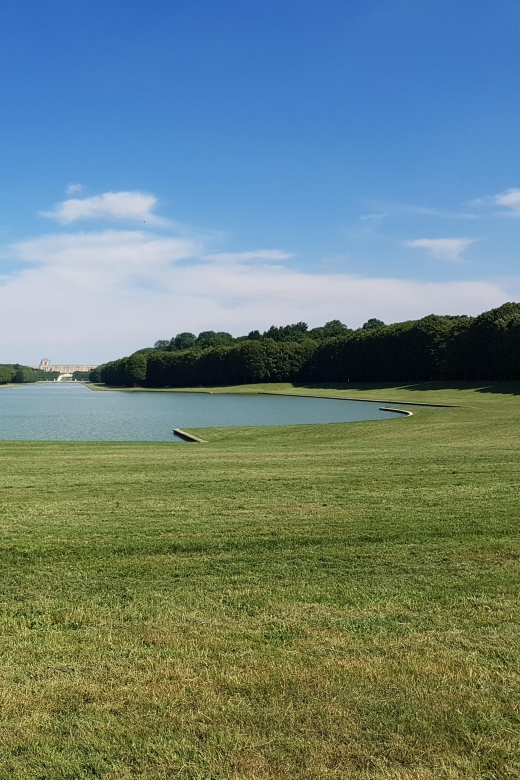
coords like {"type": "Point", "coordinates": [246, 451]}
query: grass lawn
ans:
{"type": "Point", "coordinates": [327, 601]}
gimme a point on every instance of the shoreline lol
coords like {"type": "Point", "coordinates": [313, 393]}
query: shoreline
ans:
{"type": "Point", "coordinates": [208, 391]}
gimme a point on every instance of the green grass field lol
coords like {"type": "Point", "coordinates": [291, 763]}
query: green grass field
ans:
{"type": "Point", "coordinates": [329, 601]}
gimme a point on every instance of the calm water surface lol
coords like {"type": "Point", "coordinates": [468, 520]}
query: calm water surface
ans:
{"type": "Point", "coordinates": [71, 411]}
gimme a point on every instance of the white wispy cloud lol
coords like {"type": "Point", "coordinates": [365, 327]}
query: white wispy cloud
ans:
{"type": "Point", "coordinates": [478, 208]}
{"type": "Point", "coordinates": [268, 255]}
{"type": "Point", "coordinates": [387, 210]}
{"type": "Point", "coordinates": [109, 255]}
{"type": "Point", "coordinates": [89, 297]}
{"type": "Point", "coordinates": [127, 206]}
{"type": "Point", "coordinates": [510, 199]}
{"type": "Point", "coordinates": [504, 204]}
{"type": "Point", "coordinates": [442, 248]}
{"type": "Point", "coordinates": [72, 188]}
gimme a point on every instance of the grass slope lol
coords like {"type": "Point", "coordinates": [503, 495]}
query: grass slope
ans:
{"type": "Point", "coordinates": [329, 601]}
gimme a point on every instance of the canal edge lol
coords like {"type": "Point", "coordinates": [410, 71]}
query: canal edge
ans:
{"type": "Point", "coordinates": [188, 436]}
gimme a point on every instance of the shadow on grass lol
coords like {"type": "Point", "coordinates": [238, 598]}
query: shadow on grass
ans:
{"type": "Point", "coordinates": [500, 387]}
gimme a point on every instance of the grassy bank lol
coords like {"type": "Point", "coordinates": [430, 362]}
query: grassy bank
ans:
{"type": "Point", "coordinates": [328, 601]}
{"type": "Point", "coordinates": [429, 393]}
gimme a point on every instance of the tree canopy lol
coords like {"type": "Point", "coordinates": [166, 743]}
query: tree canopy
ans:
{"type": "Point", "coordinates": [298, 331]}
{"type": "Point", "coordinates": [432, 348]}
{"type": "Point", "coordinates": [373, 323]}
{"type": "Point", "coordinates": [18, 374]}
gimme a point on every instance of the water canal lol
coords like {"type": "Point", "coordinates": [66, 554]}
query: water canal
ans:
{"type": "Point", "coordinates": [72, 412]}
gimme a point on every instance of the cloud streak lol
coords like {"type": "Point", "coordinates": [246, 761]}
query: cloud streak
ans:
{"type": "Point", "coordinates": [125, 206]}
{"type": "Point", "coordinates": [386, 211]}
{"type": "Point", "coordinates": [510, 200]}
{"type": "Point", "coordinates": [266, 255]}
{"type": "Point", "coordinates": [442, 248]}
{"type": "Point", "coordinates": [72, 188]}
{"type": "Point", "coordinates": [483, 207]}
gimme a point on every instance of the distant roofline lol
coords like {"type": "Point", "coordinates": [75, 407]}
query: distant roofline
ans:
{"type": "Point", "coordinates": [66, 368]}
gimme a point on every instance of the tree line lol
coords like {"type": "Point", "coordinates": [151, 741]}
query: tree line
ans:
{"type": "Point", "coordinates": [432, 348]}
{"type": "Point", "coordinates": [299, 331]}
{"type": "Point", "coordinates": [16, 374]}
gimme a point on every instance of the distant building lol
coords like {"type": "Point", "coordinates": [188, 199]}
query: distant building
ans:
{"type": "Point", "coordinates": [45, 365]}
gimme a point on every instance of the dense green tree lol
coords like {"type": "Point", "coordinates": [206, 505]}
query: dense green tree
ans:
{"type": "Point", "coordinates": [24, 374]}
{"type": "Point", "coordinates": [95, 374]}
{"type": "Point", "coordinates": [14, 372]}
{"type": "Point", "coordinates": [206, 339]}
{"type": "Point", "coordinates": [373, 323]}
{"type": "Point", "coordinates": [329, 330]}
{"type": "Point", "coordinates": [295, 332]}
{"type": "Point", "coordinates": [47, 376]}
{"type": "Point", "coordinates": [493, 344]}
{"type": "Point", "coordinates": [335, 328]}
{"type": "Point", "coordinates": [6, 375]}
{"type": "Point", "coordinates": [435, 347]}
{"type": "Point", "coordinates": [135, 370]}
{"type": "Point", "coordinates": [114, 373]}
{"type": "Point", "coordinates": [185, 340]}
{"type": "Point", "coordinates": [209, 338]}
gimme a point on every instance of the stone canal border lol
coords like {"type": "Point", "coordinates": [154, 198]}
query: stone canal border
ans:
{"type": "Point", "coordinates": [188, 436]}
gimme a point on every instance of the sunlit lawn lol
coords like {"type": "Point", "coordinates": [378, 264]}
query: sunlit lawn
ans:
{"type": "Point", "coordinates": [328, 601]}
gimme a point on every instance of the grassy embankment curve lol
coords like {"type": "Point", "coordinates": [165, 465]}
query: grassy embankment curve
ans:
{"type": "Point", "coordinates": [325, 601]}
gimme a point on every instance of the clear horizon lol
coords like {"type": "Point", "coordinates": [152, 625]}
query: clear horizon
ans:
{"type": "Point", "coordinates": [232, 166]}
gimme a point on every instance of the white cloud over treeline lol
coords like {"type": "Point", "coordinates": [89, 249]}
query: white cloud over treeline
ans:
{"type": "Point", "coordinates": [93, 296]}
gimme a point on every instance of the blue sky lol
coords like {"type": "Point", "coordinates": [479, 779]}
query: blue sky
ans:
{"type": "Point", "coordinates": [230, 165]}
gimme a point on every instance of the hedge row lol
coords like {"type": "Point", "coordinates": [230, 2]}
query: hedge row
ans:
{"type": "Point", "coordinates": [433, 348]}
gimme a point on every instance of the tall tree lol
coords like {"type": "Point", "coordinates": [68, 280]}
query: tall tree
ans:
{"type": "Point", "coordinates": [135, 370]}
